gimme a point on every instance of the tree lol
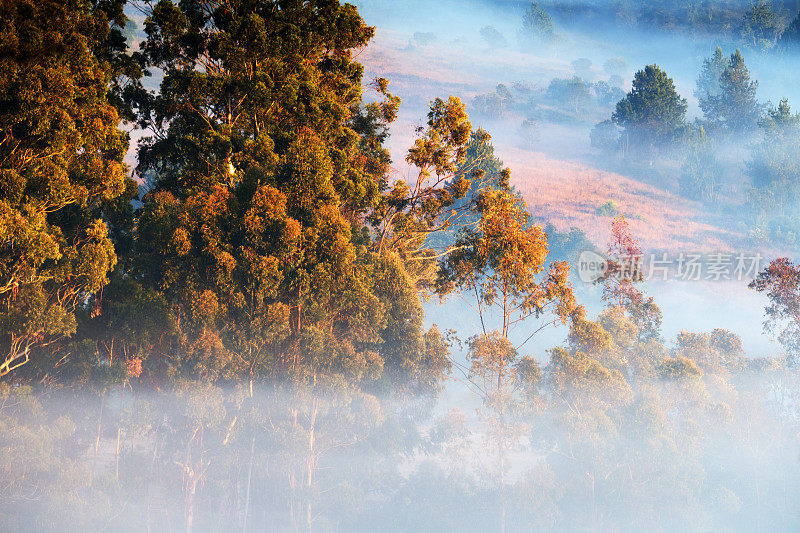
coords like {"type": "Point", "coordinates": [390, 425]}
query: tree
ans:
{"type": "Point", "coordinates": [537, 26]}
{"type": "Point", "coordinates": [605, 136]}
{"type": "Point", "coordinates": [790, 37]}
{"type": "Point", "coordinates": [780, 280]}
{"type": "Point", "coordinates": [646, 316]}
{"type": "Point", "coordinates": [408, 215]}
{"type": "Point", "coordinates": [573, 92]}
{"type": "Point", "coordinates": [623, 269]}
{"type": "Point", "coordinates": [775, 160]}
{"type": "Point", "coordinates": [493, 38]}
{"type": "Point", "coordinates": [606, 95]}
{"type": "Point", "coordinates": [483, 170]}
{"type": "Point", "coordinates": [700, 173]}
{"type": "Point", "coordinates": [761, 25]}
{"type": "Point", "coordinates": [678, 368]}
{"type": "Point", "coordinates": [61, 164]}
{"type": "Point", "coordinates": [734, 108]}
{"type": "Point", "coordinates": [583, 68]}
{"type": "Point", "coordinates": [708, 83]}
{"type": "Point", "coordinates": [774, 172]}
{"type": "Point", "coordinates": [265, 173]}
{"type": "Point", "coordinates": [495, 104]}
{"type": "Point", "coordinates": [717, 352]}
{"type": "Point", "coordinates": [499, 259]}
{"type": "Point", "coordinates": [496, 264]}
{"type": "Point", "coordinates": [623, 266]}
{"type": "Point", "coordinates": [652, 112]}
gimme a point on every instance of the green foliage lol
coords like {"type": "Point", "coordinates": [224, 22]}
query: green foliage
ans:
{"type": "Point", "coordinates": [60, 166]}
{"type": "Point", "coordinates": [252, 253]}
{"type": "Point", "coordinates": [775, 175]}
{"type": "Point", "coordinates": [230, 329]}
{"type": "Point", "coordinates": [761, 25]}
{"type": "Point", "coordinates": [499, 260]}
{"type": "Point", "coordinates": [708, 82]}
{"type": "Point", "coordinates": [263, 158]}
{"type": "Point", "coordinates": [652, 113]}
{"type": "Point", "coordinates": [790, 37]}
{"type": "Point", "coordinates": [494, 105]}
{"type": "Point", "coordinates": [566, 246]}
{"type": "Point", "coordinates": [678, 368]}
{"type": "Point", "coordinates": [731, 105]}
{"type": "Point", "coordinates": [605, 136]}
{"type": "Point", "coordinates": [700, 174]}
{"type": "Point", "coordinates": [573, 92]}
{"type": "Point", "coordinates": [780, 281]}
{"type": "Point", "coordinates": [481, 170]}
{"type": "Point", "coordinates": [608, 209]}
{"type": "Point", "coordinates": [537, 26]}
{"type": "Point", "coordinates": [715, 352]}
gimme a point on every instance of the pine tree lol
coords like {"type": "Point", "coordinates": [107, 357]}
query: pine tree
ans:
{"type": "Point", "coordinates": [652, 113]}
{"type": "Point", "coordinates": [537, 26]}
{"type": "Point", "coordinates": [708, 83]}
{"type": "Point", "coordinates": [734, 109]}
{"type": "Point", "coordinates": [774, 171]}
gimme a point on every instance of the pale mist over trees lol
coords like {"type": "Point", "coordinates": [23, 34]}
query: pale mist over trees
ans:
{"type": "Point", "coordinates": [214, 280]}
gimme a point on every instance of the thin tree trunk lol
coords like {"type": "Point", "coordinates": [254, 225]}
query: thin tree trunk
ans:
{"type": "Point", "coordinates": [119, 430]}
{"type": "Point", "coordinates": [249, 480]}
{"type": "Point", "coordinates": [292, 480]}
{"type": "Point", "coordinates": [501, 449]}
{"type": "Point", "coordinates": [99, 424]}
{"type": "Point", "coordinates": [99, 432]}
{"type": "Point", "coordinates": [310, 463]}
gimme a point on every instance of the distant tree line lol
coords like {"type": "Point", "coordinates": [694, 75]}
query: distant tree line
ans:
{"type": "Point", "coordinates": [759, 25]}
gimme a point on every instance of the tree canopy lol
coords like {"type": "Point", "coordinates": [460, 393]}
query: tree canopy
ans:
{"type": "Point", "coordinates": [732, 107]}
{"type": "Point", "coordinates": [652, 113]}
{"type": "Point", "coordinates": [60, 166]}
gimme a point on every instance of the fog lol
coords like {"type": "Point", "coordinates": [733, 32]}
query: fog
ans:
{"type": "Point", "coordinates": [694, 455]}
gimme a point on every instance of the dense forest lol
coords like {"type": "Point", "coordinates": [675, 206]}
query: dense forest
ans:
{"type": "Point", "coordinates": [213, 281]}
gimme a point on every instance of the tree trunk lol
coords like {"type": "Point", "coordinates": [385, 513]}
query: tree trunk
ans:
{"type": "Point", "coordinates": [249, 481]}
{"type": "Point", "coordinates": [310, 463]}
{"type": "Point", "coordinates": [501, 444]}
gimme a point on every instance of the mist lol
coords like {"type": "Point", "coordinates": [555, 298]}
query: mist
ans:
{"type": "Point", "coordinates": [694, 455]}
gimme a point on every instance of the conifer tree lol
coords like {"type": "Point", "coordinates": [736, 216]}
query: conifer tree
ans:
{"type": "Point", "coordinates": [652, 113]}
{"type": "Point", "coordinates": [708, 83]}
{"type": "Point", "coordinates": [734, 109]}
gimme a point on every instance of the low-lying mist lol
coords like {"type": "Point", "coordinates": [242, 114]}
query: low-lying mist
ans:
{"type": "Point", "coordinates": [572, 451]}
